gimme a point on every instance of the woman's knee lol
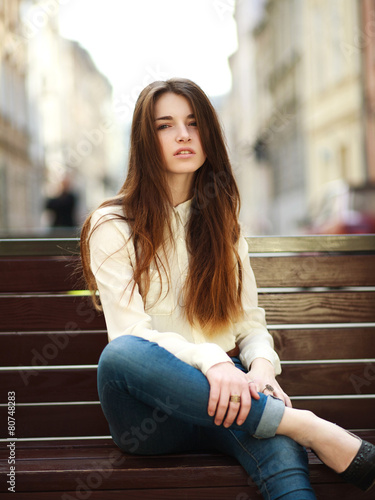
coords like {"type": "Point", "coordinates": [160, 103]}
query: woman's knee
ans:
{"type": "Point", "coordinates": [120, 349]}
{"type": "Point", "coordinates": [118, 357]}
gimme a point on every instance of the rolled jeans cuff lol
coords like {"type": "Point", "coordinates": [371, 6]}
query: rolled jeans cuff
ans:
{"type": "Point", "coordinates": [270, 419]}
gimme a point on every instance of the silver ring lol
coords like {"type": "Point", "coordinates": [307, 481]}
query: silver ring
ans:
{"type": "Point", "coordinates": [268, 387]}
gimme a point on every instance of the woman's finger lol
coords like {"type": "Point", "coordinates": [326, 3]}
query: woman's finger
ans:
{"type": "Point", "coordinates": [213, 399]}
{"type": "Point", "coordinates": [233, 409]}
{"type": "Point", "coordinates": [222, 406]}
{"type": "Point", "coordinates": [287, 400]}
{"type": "Point", "coordinates": [244, 408]}
{"type": "Point", "coordinates": [254, 392]}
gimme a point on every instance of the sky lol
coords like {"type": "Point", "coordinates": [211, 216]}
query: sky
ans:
{"type": "Point", "coordinates": [134, 42]}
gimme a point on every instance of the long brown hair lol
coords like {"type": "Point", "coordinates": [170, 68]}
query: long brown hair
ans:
{"type": "Point", "coordinates": [212, 291]}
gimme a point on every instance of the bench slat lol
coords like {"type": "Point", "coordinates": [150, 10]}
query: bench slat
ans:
{"type": "Point", "coordinates": [314, 243]}
{"type": "Point", "coordinates": [51, 385]}
{"type": "Point", "coordinates": [76, 420]}
{"type": "Point", "coordinates": [61, 348]}
{"type": "Point", "coordinates": [58, 385]}
{"type": "Point", "coordinates": [258, 244]}
{"type": "Point", "coordinates": [220, 493]}
{"type": "Point", "coordinates": [315, 270]}
{"type": "Point", "coordinates": [93, 456]}
{"type": "Point", "coordinates": [325, 343]}
{"type": "Point", "coordinates": [39, 246]}
{"type": "Point", "coordinates": [59, 420]}
{"type": "Point", "coordinates": [328, 379]}
{"type": "Point", "coordinates": [49, 313]}
{"type": "Point", "coordinates": [35, 313]}
{"type": "Point", "coordinates": [348, 413]}
{"type": "Point", "coordinates": [319, 307]}
{"type": "Point", "coordinates": [39, 274]}
{"type": "Point", "coordinates": [323, 490]}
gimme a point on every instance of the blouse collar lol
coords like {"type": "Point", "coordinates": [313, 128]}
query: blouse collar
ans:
{"type": "Point", "coordinates": [183, 211]}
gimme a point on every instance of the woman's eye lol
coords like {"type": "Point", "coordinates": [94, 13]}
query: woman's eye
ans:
{"type": "Point", "coordinates": [193, 124]}
{"type": "Point", "coordinates": [162, 127]}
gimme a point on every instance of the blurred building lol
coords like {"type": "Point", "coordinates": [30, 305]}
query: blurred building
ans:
{"type": "Point", "coordinates": [240, 118]}
{"type": "Point", "coordinates": [18, 173]}
{"type": "Point", "coordinates": [333, 94]}
{"type": "Point", "coordinates": [368, 62]}
{"type": "Point", "coordinates": [298, 76]}
{"type": "Point", "coordinates": [56, 119]}
{"type": "Point", "coordinates": [81, 106]}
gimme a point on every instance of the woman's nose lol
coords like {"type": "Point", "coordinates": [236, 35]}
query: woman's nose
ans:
{"type": "Point", "coordinates": [183, 135]}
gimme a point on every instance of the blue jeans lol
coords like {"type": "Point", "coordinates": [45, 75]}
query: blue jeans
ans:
{"type": "Point", "coordinates": [155, 403]}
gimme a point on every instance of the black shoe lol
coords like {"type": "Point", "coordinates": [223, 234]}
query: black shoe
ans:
{"type": "Point", "coordinates": [361, 472]}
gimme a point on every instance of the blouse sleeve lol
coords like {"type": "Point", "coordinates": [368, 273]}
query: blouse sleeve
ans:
{"type": "Point", "coordinates": [252, 336]}
{"type": "Point", "coordinates": [111, 264]}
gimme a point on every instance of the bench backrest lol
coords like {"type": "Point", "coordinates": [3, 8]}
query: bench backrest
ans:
{"type": "Point", "coordinates": [318, 292]}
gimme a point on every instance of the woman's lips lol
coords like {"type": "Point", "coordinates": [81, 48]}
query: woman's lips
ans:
{"type": "Point", "coordinates": [184, 152]}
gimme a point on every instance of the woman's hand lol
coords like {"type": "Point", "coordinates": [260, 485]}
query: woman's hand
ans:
{"type": "Point", "coordinates": [225, 381]}
{"type": "Point", "coordinates": [261, 374]}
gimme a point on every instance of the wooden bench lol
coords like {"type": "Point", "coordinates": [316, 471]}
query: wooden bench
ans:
{"type": "Point", "coordinates": [319, 294]}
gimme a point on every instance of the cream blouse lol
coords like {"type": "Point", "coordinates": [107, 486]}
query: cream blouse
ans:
{"type": "Point", "coordinates": [162, 320]}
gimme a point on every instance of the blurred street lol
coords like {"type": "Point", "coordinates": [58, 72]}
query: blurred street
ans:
{"type": "Point", "coordinates": [299, 115]}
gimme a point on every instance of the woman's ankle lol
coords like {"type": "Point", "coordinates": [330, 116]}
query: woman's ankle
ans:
{"type": "Point", "coordinates": [333, 445]}
{"type": "Point", "coordinates": [299, 425]}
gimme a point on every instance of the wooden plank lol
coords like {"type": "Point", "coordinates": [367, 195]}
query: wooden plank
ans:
{"type": "Point", "coordinates": [97, 455]}
{"type": "Point", "coordinates": [219, 493]}
{"type": "Point", "coordinates": [323, 492]}
{"type": "Point", "coordinates": [319, 243]}
{"type": "Point", "coordinates": [348, 413]}
{"type": "Point", "coordinates": [40, 274]}
{"type": "Point", "coordinates": [318, 379]}
{"type": "Point", "coordinates": [49, 313]}
{"type": "Point", "coordinates": [130, 473]}
{"type": "Point", "coordinates": [257, 244]}
{"type": "Point", "coordinates": [318, 307]}
{"type": "Point", "coordinates": [37, 313]}
{"type": "Point", "coordinates": [102, 446]}
{"type": "Point", "coordinates": [50, 385]}
{"type": "Point", "coordinates": [88, 420]}
{"type": "Point", "coordinates": [314, 270]}
{"type": "Point", "coordinates": [126, 472]}
{"type": "Point", "coordinates": [123, 471]}
{"type": "Point", "coordinates": [59, 385]}
{"type": "Point", "coordinates": [57, 421]}
{"type": "Point", "coordinates": [324, 343]}
{"type": "Point", "coordinates": [72, 348]}
{"type": "Point", "coordinates": [43, 274]}
{"type": "Point", "coordinates": [39, 246]}
{"type": "Point", "coordinates": [31, 348]}
{"type": "Point", "coordinates": [54, 348]}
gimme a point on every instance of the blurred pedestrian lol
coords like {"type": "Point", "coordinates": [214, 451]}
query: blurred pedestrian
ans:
{"type": "Point", "coordinates": [63, 206]}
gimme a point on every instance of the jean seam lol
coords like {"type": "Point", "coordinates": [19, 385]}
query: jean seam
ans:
{"type": "Point", "coordinates": [264, 484]}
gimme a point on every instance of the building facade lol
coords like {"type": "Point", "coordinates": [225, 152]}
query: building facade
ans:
{"type": "Point", "coordinates": [310, 78]}
{"type": "Point", "coordinates": [56, 119]}
{"type": "Point", "coordinates": [17, 171]}
{"type": "Point", "coordinates": [368, 64]}
{"type": "Point", "coordinates": [333, 95]}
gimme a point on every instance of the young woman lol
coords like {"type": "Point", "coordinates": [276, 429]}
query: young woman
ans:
{"type": "Point", "coordinates": [190, 364]}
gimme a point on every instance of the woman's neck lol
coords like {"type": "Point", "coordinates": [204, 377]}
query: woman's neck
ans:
{"type": "Point", "coordinates": [180, 186]}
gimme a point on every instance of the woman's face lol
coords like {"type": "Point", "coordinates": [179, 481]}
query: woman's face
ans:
{"type": "Point", "coordinates": [178, 135]}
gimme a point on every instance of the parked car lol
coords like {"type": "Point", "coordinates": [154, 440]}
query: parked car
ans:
{"type": "Point", "coordinates": [343, 209]}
